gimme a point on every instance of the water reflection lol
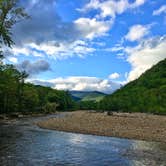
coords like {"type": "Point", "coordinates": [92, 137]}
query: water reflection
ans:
{"type": "Point", "coordinates": [76, 138]}
{"type": "Point", "coordinates": [147, 153]}
{"type": "Point", "coordinates": [24, 144]}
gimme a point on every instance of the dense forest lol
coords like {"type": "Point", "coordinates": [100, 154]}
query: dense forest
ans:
{"type": "Point", "coordinates": [17, 96]}
{"type": "Point", "coordinates": [87, 95]}
{"type": "Point", "coordinates": [145, 94]}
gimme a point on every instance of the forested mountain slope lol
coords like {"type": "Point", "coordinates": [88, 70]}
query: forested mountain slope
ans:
{"type": "Point", "coordinates": [87, 95]}
{"type": "Point", "coordinates": [18, 96]}
{"type": "Point", "coordinates": [146, 94]}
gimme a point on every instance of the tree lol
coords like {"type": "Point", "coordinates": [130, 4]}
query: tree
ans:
{"type": "Point", "coordinates": [10, 14]}
{"type": "Point", "coordinates": [30, 99]}
{"type": "Point", "coordinates": [21, 78]}
{"type": "Point", "coordinates": [9, 83]}
{"type": "Point", "coordinates": [11, 80]}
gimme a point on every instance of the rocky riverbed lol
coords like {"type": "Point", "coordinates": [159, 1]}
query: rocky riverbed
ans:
{"type": "Point", "coordinates": [125, 125]}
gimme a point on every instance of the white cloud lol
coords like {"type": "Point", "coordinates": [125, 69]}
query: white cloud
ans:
{"type": "Point", "coordinates": [52, 49]}
{"type": "Point", "coordinates": [44, 25]}
{"type": "Point", "coordinates": [80, 83]}
{"type": "Point", "coordinates": [137, 32]}
{"type": "Point", "coordinates": [114, 76]}
{"type": "Point", "coordinates": [116, 48]}
{"type": "Point", "coordinates": [88, 29]}
{"type": "Point", "coordinates": [159, 11]}
{"type": "Point", "coordinates": [26, 50]}
{"type": "Point", "coordinates": [111, 7]}
{"type": "Point", "coordinates": [91, 28]}
{"type": "Point", "coordinates": [137, 3]}
{"type": "Point", "coordinates": [12, 59]}
{"type": "Point", "coordinates": [142, 57]}
{"type": "Point", "coordinates": [48, 35]}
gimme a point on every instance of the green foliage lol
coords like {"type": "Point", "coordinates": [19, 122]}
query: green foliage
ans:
{"type": "Point", "coordinates": [87, 105]}
{"type": "Point", "coordinates": [87, 96]}
{"type": "Point", "coordinates": [10, 14]}
{"type": "Point", "coordinates": [146, 94]}
{"type": "Point", "coordinates": [17, 96]}
{"type": "Point", "coordinates": [50, 107]}
{"type": "Point", "coordinates": [11, 81]}
{"type": "Point", "coordinates": [62, 98]}
{"type": "Point", "coordinates": [30, 99]}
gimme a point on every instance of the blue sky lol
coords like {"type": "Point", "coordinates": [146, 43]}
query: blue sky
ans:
{"type": "Point", "coordinates": [89, 44]}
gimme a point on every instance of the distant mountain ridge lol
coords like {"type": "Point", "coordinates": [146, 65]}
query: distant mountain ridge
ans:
{"type": "Point", "coordinates": [145, 94]}
{"type": "Point", "coordinates": [87, 95]}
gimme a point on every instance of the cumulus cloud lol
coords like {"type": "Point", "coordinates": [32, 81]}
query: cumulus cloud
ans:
{"type": "Point", "coordinates": [91, 28]}
{"type": "Point", "coordinates": [44, 25]}
{"type": "Point", "coordinates": [114, 75]}
{"type": "Point", "coordinates": [78, 48]}
{"type": "Point", "coordinates": [137, 3]}
{"type": "Point", "coordinates": [142, 57]}
{"type": "Point", "coordinates": [46, 34]}
{"type": "Point", "coordinates": [159, 11]}
{"type": "Point", "coordinates": [111, 7]}
{"type": "Point", "coordinates": [116, 48]}
{"type": "Point", "coordinates": [137, 32]}
{"type": "Point", "coordinates": [80, 83]}
{"type": "Point", "coordinates": [12, 59]}
{"type": "Point", "coordinates": [34, 67]}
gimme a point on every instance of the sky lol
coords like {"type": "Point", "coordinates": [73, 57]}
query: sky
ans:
{"type": "Point", "coordinates": [88, 44]}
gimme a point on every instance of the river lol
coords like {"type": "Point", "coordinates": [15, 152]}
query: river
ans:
{"type": "Point", "coordinates": [22, 143]}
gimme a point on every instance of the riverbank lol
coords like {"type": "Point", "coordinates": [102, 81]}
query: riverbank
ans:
{"type": "Point", "coordinates": [23, 143]}
{"type": "Point", "coordinates": [18, 115]}
{"type": "Point", "coordinates": [6, 119]}
{"type": "Point", "coordinates": [125, 125]}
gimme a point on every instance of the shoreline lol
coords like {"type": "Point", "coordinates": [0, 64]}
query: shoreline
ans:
{"type": "Point", "coordinates": [139, 126]}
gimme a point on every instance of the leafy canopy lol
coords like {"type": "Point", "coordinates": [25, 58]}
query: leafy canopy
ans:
{"type": "Point", "coordinates": [10, 14]}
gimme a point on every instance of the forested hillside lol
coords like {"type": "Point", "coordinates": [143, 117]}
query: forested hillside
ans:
{"type": "Point", "coordinates": [146, 94]}
{"type": "Point", "coordinates": [87, 95]}
{"type": "Point", "coordinates": [17, 96]}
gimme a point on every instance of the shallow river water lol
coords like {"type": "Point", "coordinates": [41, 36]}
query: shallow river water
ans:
{"type": "Point", "coordinates": [24, 144]}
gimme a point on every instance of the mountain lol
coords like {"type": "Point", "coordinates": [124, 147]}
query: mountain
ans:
{"type": "Point", "coordinates": [146, 94]}
{"type": "Point", "coordinates": [87, 95]}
